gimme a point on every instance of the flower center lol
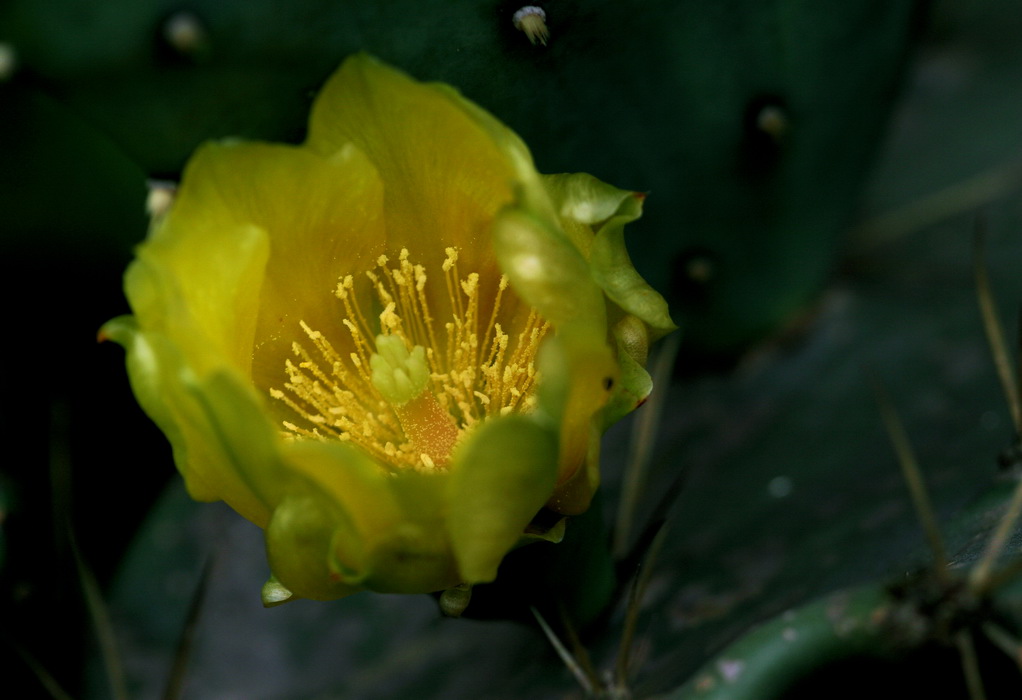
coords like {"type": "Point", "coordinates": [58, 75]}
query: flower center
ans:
{"type": "Point", "coordinates": [407, 393]}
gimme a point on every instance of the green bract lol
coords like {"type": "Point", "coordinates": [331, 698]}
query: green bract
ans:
{"type": "Point", "coordinates": [255, 322]}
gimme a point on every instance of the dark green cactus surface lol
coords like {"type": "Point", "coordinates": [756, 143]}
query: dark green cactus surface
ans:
{"type": "Point", "coordinates": [753, 126]}
{"type": "Point", "coordinates": [750, 123]}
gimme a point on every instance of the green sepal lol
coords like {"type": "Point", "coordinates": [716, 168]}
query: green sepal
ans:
{"type": "Point", "coordinates": [583, 202]}
{"type": "Point", "coordinates": [503, 474]}
{"type": "Point", "coordinates": [454, 601]}
{"type": "Point", "coordinates": [614, 272]}
{"type": "Point", "coordinates": [553, 534]}
{"type": "Point", "coordinates": [633, 387]}
{"type": "Point", "coordinates": [588, 206]}
{"type": "Point", "coordinates": [298, 540]}
{"type": "Point", "coordinates": [547, 271]}
{"type": "Point", "coordinates": [274, 593]}
{"type": "Point", "coordinates": [414, 555]}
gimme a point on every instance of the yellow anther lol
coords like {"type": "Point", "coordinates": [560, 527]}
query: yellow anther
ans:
{"type": "Point", "coordinates": [389, 319]}
{"type": "Point", "coordinates": [406, 396]}
{"type": "Point", "coordinates": [343, 286]}
{"type": "Point", "coordinates": [452, 257]}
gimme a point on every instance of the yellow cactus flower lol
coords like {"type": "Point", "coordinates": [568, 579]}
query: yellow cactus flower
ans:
{"type": "Point", "coordinates": [390, 346]}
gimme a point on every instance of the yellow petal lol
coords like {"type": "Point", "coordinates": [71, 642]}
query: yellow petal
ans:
{"type": "Point", "coordinates": [317, 219]}
{"type": "Point", "coordinates": [447, 166]}
{"type": "Point", "coordinates": [202, 293]}
{"type": "Point", "coordinates": [177, 400]}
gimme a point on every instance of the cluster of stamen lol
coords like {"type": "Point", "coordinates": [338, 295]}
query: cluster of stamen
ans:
{"type": "Point", "coordinates": [409, 390]}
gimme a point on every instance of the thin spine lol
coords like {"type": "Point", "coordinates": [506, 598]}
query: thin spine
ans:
{"type": "Point", "coordinates": [981, 578]}
{"type": "Point", "coordinates": [644, 434]}
{"type": "Point", "coordinates": [44, 677]}
{"type": "Point", "coordinates": [104, 627]}
{"type": "Point", "coordinates": [178, 672]}
{"type": "Point", "coordinates": [914, 480]}
{"type": "Point", "coordinates": [60, 469]}
{"type": "Point", "coordinates": [1004, 575]}
{"type": "Point", "coordinates": [580, 653]}
{"type": "Point", "coordinates": [970, 664]}
{"type": "Point", "coordinates": [994, 330]}
{"type": "Point", "coordinates": [635, 598]}
{"type": "Point", "coordinates": [930, 209]}
{"type": "Point", "coordinates": [562, 651]}
{"type": "Point", "coordinates": [982, 575]}
{"type": "Point", "coordinates": [1004, 641]}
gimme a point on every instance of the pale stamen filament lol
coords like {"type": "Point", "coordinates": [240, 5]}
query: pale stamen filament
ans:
{"type": "Point", "coordinates": [475, 373]}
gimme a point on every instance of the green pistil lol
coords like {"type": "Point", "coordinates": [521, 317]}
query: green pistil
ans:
{"type": "Point", "coordinates": [399, 375]}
